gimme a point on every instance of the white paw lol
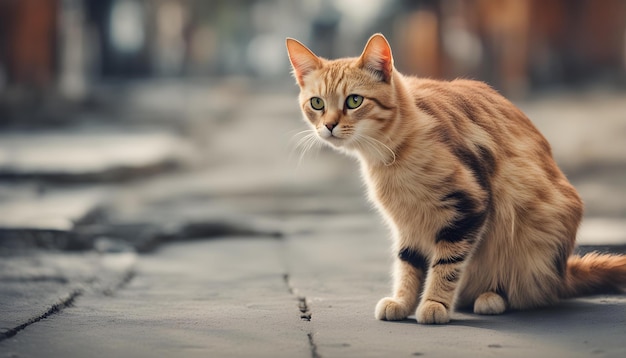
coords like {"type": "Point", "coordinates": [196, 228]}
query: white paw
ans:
{"type": "Point", "coordinates": [390, 309]}
{"type": "Point", "coordinates": [431, 312]}
{"type": "Point", "coordinates": [489, 303]}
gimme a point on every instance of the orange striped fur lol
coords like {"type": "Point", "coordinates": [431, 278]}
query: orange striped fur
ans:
{"type": "Point", "coordinates": [479, 211]}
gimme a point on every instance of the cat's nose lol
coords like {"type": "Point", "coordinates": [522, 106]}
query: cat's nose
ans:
{"type": "Point", "coordinates": [330, 126]}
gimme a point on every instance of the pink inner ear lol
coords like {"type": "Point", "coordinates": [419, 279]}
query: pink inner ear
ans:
{"type": "Point", "coordinates": [302, 59]}
{"type": "Point", "coordinates": [377, 56]}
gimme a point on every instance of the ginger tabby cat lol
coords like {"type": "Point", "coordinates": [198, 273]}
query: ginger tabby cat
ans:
{"type": "Point", "coordinates": [480, 213]}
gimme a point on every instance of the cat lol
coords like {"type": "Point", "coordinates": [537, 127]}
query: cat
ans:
{"type": "Point", "coordinates": [481, 215]}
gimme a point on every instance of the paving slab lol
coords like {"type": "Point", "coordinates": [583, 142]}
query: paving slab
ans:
{"type": "Point", "coordinates": [246, 297]}
{"type": "Point", "coordinates": [224, 298]}
{"type": "Point", "coordinates": [49, 180]}
{"type": "Point", "coordinates": [343, 273]}
{"type": "Point", "coordinates": [28, 206]}
{"type": "Point", "coordinates": [85, 152]}
{"type": "Point", "coordinates": [37, 283]}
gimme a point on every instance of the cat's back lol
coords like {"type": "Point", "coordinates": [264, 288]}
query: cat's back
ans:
{"type": "Point", "coordinates": [469, 113]}
{"type": "Point", "coordinates": [472, 120]}
{"type": "Point", "coordinates": [462, 99]}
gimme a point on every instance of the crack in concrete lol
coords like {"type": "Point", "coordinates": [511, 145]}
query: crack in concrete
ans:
{"type": "Point", "coordinates": [66, 303]}
{"type": "Point", "coordinates": [303, 306]}
{"type": "Point", "coordinates": [54, 309]}
{"type": "Point", "coordinates": [128, 276]}
{"type": "Point", "coordinates": [141, 237]}
{"type": "Point", "coordinates": [313, 346]}
{"type": "Point", "coordinates": [305, 314]}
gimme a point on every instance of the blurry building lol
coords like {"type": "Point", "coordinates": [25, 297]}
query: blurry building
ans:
{"type": "Point", "coordinates": [515, 45]}
{"type": "Point", "coordinates": [28, 42]}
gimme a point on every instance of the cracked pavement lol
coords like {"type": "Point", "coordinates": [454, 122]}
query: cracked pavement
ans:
{"type": "Point", "coordinates": [242, 250]}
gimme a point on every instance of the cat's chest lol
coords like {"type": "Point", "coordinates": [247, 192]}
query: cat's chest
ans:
{"type": "Point", "coordinates": [406, 203]}
{"type": "Point", "coordinates": [398, 190]}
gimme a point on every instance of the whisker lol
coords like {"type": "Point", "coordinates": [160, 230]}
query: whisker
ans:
{"type": "Point", "coordinates": [304, 133]}
{"type": "Point", "coordinates": [379, 147]}
{"type": "Point", "coordinates": [393, 154]}
{"type": "Point", "coordinates": [373, 145]}
{"type": "Point", "coordinates": [304, 144]}
{"type": "Point", "coordinates": [305, 140]}
{"type": "Point", "coordinates": [313, 142]}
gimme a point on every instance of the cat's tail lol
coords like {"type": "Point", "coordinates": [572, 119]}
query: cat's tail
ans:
{"type": "Point", "coordinates": [594, 273]}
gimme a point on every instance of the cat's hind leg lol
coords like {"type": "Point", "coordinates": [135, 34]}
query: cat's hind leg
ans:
{"type": "Point", "coordinates": [490, 303]}
{"type": "Point", "coordinates": [409, 271]}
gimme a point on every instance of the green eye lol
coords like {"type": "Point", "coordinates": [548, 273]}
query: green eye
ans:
{"type": "Point", "coordinates": [353, 101]}
{"type": "Point", "coordinates": [317, 103]}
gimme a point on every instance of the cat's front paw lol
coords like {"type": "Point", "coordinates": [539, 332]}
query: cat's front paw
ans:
{"type": "Point", "coordinates": [390, 309]}
{"type": "Point", "coordinates": [431, 312]}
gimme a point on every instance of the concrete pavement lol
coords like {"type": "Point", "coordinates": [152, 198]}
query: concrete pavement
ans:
{"type": "Point", "coordinates": [308, 296]}
{"type": "Point", "coordinates": [251, 252]}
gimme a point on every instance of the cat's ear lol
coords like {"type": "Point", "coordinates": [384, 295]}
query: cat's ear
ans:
{"type": "Point", "coordinates": [377, 57]}
{"type": "Point", "coordinates": [302, 60]}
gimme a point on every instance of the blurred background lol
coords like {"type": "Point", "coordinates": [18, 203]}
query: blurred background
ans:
{"type": "Point", "coordinates": [518, 46]}
{"type": "Point", "coordinates": [149, 103]}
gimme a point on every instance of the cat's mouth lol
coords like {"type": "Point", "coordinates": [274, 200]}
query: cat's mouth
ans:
{"type": "Point", "coordinates": [330, 137]}
{"type": "Point", "coordinates": [334, 140]}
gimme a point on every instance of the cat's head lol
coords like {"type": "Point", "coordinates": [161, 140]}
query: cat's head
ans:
{"type": "Point", "coordinates": [349, 102]}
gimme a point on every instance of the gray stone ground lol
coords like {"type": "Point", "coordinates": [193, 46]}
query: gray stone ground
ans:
{"type": "Point", "coordinates": [184, 223]}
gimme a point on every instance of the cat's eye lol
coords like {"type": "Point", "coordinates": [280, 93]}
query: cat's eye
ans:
{"type": "Point", "coordinates": [353, 101]}
{"type": "Point", "coordinates": [317, 103]}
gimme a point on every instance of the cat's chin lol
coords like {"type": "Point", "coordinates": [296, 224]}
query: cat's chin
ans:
{"type": "Point", "coordinates": [335, 141]}
{"type": "Point", "coordinates": [341, 145]}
